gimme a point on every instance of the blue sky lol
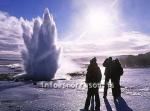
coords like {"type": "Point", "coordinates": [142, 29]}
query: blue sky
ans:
{"type": "Point", "coordinates": [134, 12]}
{"type": "Point", "coordinates": [28, 9]}
{"type": "Point", "coordinates": [109, 26]}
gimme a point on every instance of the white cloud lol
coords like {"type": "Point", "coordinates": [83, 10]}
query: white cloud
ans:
{"type": "Point", "coordinates": [80, 40]}
{"type": "Point", "coordinates": [11, 33]}
{"type": "Point", "coordinates": [107, 35]}
{"type": "Point", "coordinates": [127, 43]}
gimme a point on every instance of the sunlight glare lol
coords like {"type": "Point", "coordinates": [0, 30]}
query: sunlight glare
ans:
{"type": "Point", "coordinates": [99, 21]}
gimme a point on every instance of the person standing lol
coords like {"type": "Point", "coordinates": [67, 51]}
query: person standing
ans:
{"type": "Point", "coordinates": [115, 78]}
{"type": "Point", "coordinates": [93, 79]}
{"type": "Point", "coordinates": [108, 71]}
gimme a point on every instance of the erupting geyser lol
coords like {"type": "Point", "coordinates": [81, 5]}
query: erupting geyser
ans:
{"type": "Point", "coordinates": [42, 53]}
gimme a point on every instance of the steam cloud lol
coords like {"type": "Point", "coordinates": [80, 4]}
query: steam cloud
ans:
{"type": "Point", "coordinates": [42, 52]}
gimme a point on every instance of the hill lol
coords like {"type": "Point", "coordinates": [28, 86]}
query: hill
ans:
{"type": "Point", "coordinates": [140, 60]}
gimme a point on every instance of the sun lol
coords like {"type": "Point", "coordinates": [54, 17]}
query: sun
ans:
{"type": "Point", "coordinates": [99, 21]}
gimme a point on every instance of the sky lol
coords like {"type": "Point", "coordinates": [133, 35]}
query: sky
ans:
{"type": "Point", "coordinates": [85, 27]}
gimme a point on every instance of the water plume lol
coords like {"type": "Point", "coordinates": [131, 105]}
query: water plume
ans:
{"type": "Point", "coordinates": [41, 57]}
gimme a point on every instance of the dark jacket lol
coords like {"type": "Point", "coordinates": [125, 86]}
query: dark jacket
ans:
{"type": "Point", "coordinates": [93, 74]}
{"type": "Point", "coordinates": [108, 67]}
{"type": "Point", "coordinates": [118, 70]}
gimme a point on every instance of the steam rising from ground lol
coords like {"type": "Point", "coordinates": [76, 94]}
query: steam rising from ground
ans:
{"type": "Point", "coordinates": [42, 53]}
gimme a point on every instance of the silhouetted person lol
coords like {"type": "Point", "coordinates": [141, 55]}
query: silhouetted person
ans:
{"type": "Point", "coordinates": [115, 78]}
{"type": "Point", "coordinates": [93, 78]}
{"type": "Point", "coordinates": [108, 71]}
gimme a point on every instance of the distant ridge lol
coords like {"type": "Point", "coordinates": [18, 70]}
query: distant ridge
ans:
{"type": "Point", "coordinates": [11, 57]}
{"type": "Point", "coordinates": [128, 61]}
{"type": "Point", "coordinates": [133, 61]}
